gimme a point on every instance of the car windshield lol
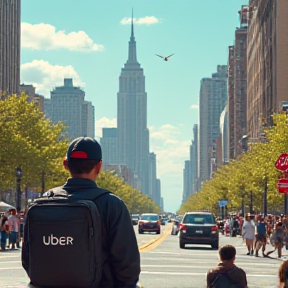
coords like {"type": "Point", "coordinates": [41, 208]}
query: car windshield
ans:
{"type": "Point", "coordinates": [149, 217]}
{"type": "Point", "coordinates": [198, 219]}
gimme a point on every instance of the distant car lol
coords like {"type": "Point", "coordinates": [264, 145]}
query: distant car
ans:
{"type": "Point", "coordinates": [134, 221]}
{"type": "Point", "coordinates": [198, 228]}
{"type": "Point", "coordinates": [149, 222]}
{"type": "Point", "coordinates": [175, 227]}
{"type": "Point", "coordinates": [163, 221]}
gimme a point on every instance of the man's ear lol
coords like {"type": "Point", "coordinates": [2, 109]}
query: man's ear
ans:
{"type": "Point", "coordinates": [99, 166]}
{"type": "Point", "coordinates": [65, 164]}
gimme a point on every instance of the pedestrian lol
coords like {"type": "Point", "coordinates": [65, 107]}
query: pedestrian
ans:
{"type": "Point", "coordinates": [4, 228]}
{"type": "Point", "coordinates": [14, 225]}
{"type": "Point", "coordinates": [120, 253]}
{"type": "Point", "coordinates": [283, 275]}
{"type": "Point", "coordinates": [278, 237]}
{"type": "Point", "coordinates": [249, 233]}
{"type": "Point", "coordinates": [226, 274]}
{"type": "Point", "coordinates": [260, 238]}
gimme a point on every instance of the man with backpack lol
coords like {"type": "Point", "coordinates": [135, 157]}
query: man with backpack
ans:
{"type": "Point", "coordinates": [226, 274]}
{"type": "Point", "coordinates": [80, 235]}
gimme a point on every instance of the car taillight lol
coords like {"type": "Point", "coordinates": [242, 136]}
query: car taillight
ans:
{"type": "Point", "coordinates": [183, 228]}
{"type": "Point", "coordinates": [140, 223]}
{"type": "Point", "coordinates": [214, 228]}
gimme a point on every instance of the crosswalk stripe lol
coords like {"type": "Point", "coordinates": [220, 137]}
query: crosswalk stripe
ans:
{"type": "Point", "coordinates": [201, 274]}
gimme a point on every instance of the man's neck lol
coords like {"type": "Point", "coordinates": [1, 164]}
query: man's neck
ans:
{"type": "Point", "coordinates": [227, 262]}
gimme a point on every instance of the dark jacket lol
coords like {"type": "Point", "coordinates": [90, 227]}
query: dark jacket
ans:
{"type": "Point", "coordinates": [121, 267]}
{"type": "Point", "coordinates": [232, 271]}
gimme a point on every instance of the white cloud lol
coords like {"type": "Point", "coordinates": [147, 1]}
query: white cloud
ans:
{"type": "Point", "coordinates": [170, 156]}
{"type": "Point", "coordinates": [164, 142]}
{"type": "Point", "coordinates": [104, 123]}
{"type": "Point", "coordinates": [44, 76]}
{"type": "Point", "coordinates": [148, 20]}
{"type": "Point", "coordinates": [170, 151]}
{"type": "Point", "coordinates": [45, 37]}
{"type": "Point", "coordinates": [194, 106]}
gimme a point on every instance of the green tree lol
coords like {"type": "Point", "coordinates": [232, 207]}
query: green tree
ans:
{"type": "Point", "coordinates": [30, 141]}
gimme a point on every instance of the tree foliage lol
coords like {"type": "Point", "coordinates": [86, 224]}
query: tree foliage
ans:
{"type": "Point", "coordinates": [237, 180]}
{"type": "Point", "coordinates": [30, 141]}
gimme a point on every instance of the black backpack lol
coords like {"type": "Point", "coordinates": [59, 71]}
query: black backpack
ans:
{"type": "Point", "coordinates": [62, 240]}
{"type": "Point", "coordinates": [224, 281]}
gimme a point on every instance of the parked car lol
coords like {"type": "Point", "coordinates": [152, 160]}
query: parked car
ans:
{"type": "Point", "coordinates": [199, 228]}
{"type": "Point", "coordinates": [175, 227]}
{"type": "Point", "coordinates": [149, 222]}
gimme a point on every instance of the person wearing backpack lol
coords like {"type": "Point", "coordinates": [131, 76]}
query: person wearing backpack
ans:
{"type": "Point", "coordinates": [80, 235]}
{"type": "Point", "coordinates": [226, 274]}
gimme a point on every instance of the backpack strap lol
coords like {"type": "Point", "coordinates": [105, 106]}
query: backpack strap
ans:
{"type": "Point", "coordinates": [85, 194]}
{"type": "Point", "coordinates": [227, 276]}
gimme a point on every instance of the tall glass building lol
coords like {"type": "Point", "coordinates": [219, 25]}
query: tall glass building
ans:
{"type": "Point", "coordinates": [133, 134]}
{"type": "Point", "coordinates": [10, 29]}
{"type": "Point", "coordinates": [67, 104]}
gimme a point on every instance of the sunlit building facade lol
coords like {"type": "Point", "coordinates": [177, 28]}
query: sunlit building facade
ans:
{"type": "Point", "coordinates": [267, 63]}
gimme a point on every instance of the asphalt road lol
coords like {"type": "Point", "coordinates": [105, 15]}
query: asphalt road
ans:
{"type": "Point", "coordinates": [165, 265]}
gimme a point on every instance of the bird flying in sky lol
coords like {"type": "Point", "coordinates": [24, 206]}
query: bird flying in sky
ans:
{"type": "Point", "coordinates": [165, 58]}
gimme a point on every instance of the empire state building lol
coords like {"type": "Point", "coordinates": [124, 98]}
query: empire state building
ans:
{"type": "Point", "coordinates": [133, 134]}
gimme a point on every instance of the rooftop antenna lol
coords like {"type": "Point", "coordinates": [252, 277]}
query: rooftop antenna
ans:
{"type": "Point", "coordinates": [132, 28]}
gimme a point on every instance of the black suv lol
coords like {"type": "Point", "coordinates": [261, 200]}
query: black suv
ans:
{"type": "Point", "coordinates": [199, 228]}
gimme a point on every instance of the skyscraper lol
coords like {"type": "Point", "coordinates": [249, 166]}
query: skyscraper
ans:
{"type": "Point", "coordinates": [10, 28]}
{"type": "Point", "coordinates": [133, 135]}
{"type": "Point", "coordinates": [212, 100]}
{"type": "Point", "coordinates": [67, 104]}
{"type": "Point", "coordinates": [109, 144]}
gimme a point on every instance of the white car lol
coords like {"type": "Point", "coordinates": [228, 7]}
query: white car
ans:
{"type": "Point", "coordinates": [175, 227]}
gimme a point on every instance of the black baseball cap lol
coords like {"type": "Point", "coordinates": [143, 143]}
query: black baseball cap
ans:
{"type": "Point", "coordinates": [84, 148]}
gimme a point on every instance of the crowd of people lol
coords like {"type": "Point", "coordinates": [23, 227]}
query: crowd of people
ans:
{"type": "Point", "coordinates": [11, 230]}
{"type": "Point", "coordinates": [257, 231]}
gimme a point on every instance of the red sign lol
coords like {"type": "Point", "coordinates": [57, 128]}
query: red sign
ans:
{"type": "Point", "coordinates": [283, 185]}
{"type": "Point", "coordinates": [282, 162]}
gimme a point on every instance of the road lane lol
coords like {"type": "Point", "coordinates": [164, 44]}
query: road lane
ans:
{"type": "Point", "coordinates": [165, 265]}
{"type": "Point", "coordinates": [168, 266]}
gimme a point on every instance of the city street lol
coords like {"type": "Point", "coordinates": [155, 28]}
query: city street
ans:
{"type": "Point", "coordinates": [164, 264]}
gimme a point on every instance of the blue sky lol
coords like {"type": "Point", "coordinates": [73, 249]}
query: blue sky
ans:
{"type": "Point", "coordinates": [89, 43]}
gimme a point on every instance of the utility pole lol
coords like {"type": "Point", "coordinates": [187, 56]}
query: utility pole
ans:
{"type": "Point", "coordinates": [265, 197]}
{"type": "Point", "coordinates": [251, 202]}
{"type": "Point", "coordinates": [285, 203]}
{"type": "Point", "coordinates": [43, 183]}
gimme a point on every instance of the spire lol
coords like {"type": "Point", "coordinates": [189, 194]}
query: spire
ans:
{"type": "Point", "coordinates": [132, 27]}
{"type": "Point", "coordinates": [132, 45]}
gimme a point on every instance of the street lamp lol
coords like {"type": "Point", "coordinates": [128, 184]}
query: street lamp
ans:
{"type": "Point", "coordinates": [18, 175]}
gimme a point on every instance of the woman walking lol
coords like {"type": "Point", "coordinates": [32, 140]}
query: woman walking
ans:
{"type": "Point", "coordinates": [278, 237]}
{"type": "Point", "coordinates": [249, 233]}
{"type": "Point", "coordinates": [4, 232]}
